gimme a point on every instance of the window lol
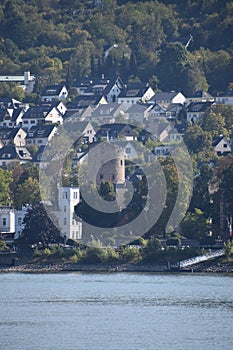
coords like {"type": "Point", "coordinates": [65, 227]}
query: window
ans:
{"type": "Point", "coordinates": [128, 150]}
{"type": "Point", "coordinates": [64, 196]}
{"type": "Point", "coordinates": [225, 145]}
{"type": "Point", "coordinates": [4, 221]}
{"type": "Point", "coordinates": [101, 176]}
{"type": "Point", "coordinates": [65, 221]}
{"type": "Point", "coordinates": [64, 208]}
{"type": "Point", "coordinates": [19, 221]}
{"type": "Point", "coordinates": [75, 195]}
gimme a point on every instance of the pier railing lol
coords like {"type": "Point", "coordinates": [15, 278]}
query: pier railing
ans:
{"type": "Point", "coordinates": [198, 259]}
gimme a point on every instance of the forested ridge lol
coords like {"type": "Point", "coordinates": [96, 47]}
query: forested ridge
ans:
{"type": "Point", "coordinates": [176, 45]}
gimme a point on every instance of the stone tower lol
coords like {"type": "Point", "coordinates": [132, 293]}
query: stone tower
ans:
{"type": "Point", "coordinates": [106, 163]}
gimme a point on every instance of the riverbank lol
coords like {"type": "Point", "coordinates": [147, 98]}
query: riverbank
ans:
{"type": "Point", "coordinates": [214, 266]}
{"type": "Point", "coordinates": [72, 267]}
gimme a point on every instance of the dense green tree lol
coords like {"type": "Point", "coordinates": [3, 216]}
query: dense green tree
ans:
{"type": "Point", "coordinates": [11, 90]}
{"type": "Point", "coordinates": [16, 171]}
{"type": "Point", "coordinates": [214, 123]}
{"type": "Point", "coordinates": [78, 33]}
{"type": "Point", "coordinates": [27, 193]}
{"type": "Point", "coordinates": [201, 197]}
{"type": "Point", "coordinates": [39, 228]}
{"type": "Point", "coordinates": [194, 225]}
{"type": "Point", "coordinates": [196, 139]}
{"type": "Point", "coordinates": [226, 181]}
{"type": "Point", "coordinates": [5, 181]}
{"type": "Point", "coordinates": [227, 113]}
{"type": "Point", "coordinates": [151, 249]}
{"type": "Point", "coordinates": [172, 68]}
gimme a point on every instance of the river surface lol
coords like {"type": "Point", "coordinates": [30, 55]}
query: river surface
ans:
{"type": "Point", "coordinates": [127, 311]}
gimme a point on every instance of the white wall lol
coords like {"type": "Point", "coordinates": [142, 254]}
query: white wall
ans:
{"type": "Point", "coordinates": [68, 198]}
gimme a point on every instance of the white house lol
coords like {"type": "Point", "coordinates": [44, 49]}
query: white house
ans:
{"type": "Point", "coordinates": [113, 89]}
{"type": "Point", "coordinates": [70, 225]}
{"type": "Point", "coordinates": [196, 110]}
{"type": "Point", "coordinates": [199, 96]}
{"type": "Point", "coordinates": [54, 92]}
{"type": "Point", "coordinates": [7, 224]}
{"type": "Point", "coordinates": [11, 223]}
{"type": "Point", "coordinates": [221, 146]}
{"type": "Point", "coordinates": [131, 151]}
{"type": "Point", "coordinates": [107, 113]}
{"type": "Point", "coordinates": [134, 93]}
{"type": "Point", "coordinates": [225, 98]}
{"type": "Point", "coordinates": [40, 135]}
{"type": "Point", "coordinates": [15, 136]}
{"type": "Point", "coordinates": [166, 98]}
{"type": "Point", "coordinates": [11, 153]}
{"type": "Point", "coordinates": [19, 221]}
{"type": "Point", "coordinates": [163, 150]}
{"type": "Point", "coordinates": [11, 117]}
{"type": "Point", "coordinates": [40, 115]}
{"type": "Point", "coordinates": [138, 112]}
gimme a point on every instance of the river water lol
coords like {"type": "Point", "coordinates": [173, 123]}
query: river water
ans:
{"type": "Point", "coordinates": [127, 311]}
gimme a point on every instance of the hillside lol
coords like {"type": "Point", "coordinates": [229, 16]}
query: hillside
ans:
{"type": "Point", "coordinates": [64, 40]}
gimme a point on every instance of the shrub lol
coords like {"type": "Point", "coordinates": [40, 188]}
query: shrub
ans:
{"type": "Point", "coordinates": [36, 252]}
{"type": "Point", "coordinates": [131, 255]}
{"type": "Point", "coordinates": [47, 251]}
{"type": "Point", "coordinates": [74, 258]}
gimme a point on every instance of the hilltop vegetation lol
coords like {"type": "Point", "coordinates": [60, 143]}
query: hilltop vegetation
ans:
{"type": "Point", "coordinates": [64, 40]}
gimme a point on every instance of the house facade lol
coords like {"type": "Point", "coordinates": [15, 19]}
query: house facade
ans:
{"type": "Point", "coordinates": [106, 87]}
{"type": "Point", "coordinates": [166, 98]}
{"type": "Point", "coordinates": [221, 146]}
{"type": "Point", "coordinates": [7, 224]}
{"type": "Point", "coordinates": [54, 93]}
{"type": "Point", "coordinates": [41, 115]}
{"type": "Point", "coordinates": [40, 135]}
{"type": "Point", "coordinates": [15, 136]}
{"type": "Point", "coordinates": [196, 110]}
{"type": "Point", "coordinates": [11, 117]}
{"type": "Point", "coordinates": [19, 220]}
{"type": "Point", "coordinates": [115, 131]}
{"type": "Point", "coordinates": [162, 150]}
{"type": "Point", "coordinates": [69, 224]}
{"type": "Point", "coordinates": [225, 98]}
{"type": "Point", "coordinates": [11, 153]}
{"type": "Point", "coordinates": [138, 112]}
{"type": "Point", "coordinates": [107, 113]}
{"type": "Point", "coordinates": [134, 93]}
{"type": "Point", "coordinates": [200, 96]}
